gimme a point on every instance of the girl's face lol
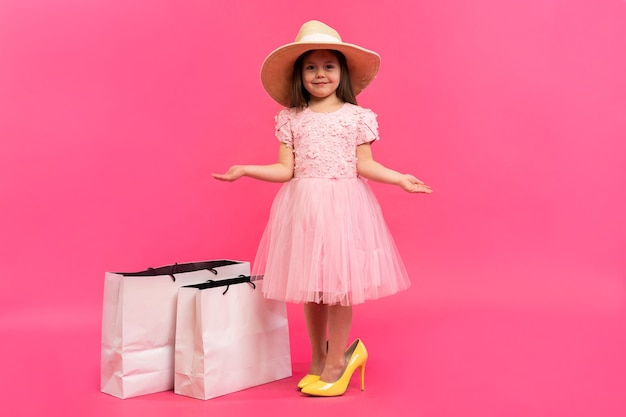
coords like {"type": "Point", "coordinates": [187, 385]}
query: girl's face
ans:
{"type": "Point", "coordinates": [321, 73]}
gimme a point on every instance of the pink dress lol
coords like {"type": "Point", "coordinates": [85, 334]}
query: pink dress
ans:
{"type": "Point", "coordinates": [326, 240]}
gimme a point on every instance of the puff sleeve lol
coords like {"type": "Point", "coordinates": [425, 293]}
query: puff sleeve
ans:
{"type": "Point", "coordinates": [283, 127]}
{"type": "Point", "coordinates": [367, 126]}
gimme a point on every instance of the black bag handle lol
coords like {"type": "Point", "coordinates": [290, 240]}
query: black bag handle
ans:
{"type": "Point", "coordinates": [241, 279]}
{"type": "Point", "coordinates": [181, 268]}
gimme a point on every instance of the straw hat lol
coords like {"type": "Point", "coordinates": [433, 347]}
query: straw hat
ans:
{"type": "Point", "coordinates": [277, 68]}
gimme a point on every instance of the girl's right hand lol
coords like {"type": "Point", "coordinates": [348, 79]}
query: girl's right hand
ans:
{"type": "Point", "coordinates": [234, 173]}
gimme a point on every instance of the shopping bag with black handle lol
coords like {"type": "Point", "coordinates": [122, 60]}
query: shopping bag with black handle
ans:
{"type": "Point", "coordinates": [229, 338]}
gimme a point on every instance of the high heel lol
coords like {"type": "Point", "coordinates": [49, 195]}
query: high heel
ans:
{"type": "Point", "coordinates": [356, 357]}
{"type": "Point", "coordinates": [308, 379]}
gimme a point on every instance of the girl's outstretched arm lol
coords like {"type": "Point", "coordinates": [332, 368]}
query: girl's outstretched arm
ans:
{"type": "Point", "coordinates": [368, 168]}
{"type": "Point", "coordinates": [281, 171]}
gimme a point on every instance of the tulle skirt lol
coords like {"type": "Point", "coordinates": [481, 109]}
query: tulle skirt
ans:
{"type": "Point", "coordinates": [326, 241]}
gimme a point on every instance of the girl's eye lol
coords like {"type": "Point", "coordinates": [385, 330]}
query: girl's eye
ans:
{"type": "Point", "coordinates": [330, 66]}
{"type": "Point", "coordinates": [310, 67]}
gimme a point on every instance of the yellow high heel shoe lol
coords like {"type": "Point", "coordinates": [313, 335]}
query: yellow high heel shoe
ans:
{"type": "Point", "coordinates": [356, 357]}
{"type": "Point", "coordinates": [308, 379]}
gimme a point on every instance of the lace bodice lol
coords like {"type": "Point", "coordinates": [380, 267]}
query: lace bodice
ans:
{"type": "Point", "coordinates": [324, 144]}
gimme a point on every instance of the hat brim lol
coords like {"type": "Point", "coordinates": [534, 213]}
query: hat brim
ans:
{"type": "Point", "coordinates": [277, 69]}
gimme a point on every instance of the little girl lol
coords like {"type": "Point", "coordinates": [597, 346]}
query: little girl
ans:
{"type": "Point", "coordinates": [326, 244]}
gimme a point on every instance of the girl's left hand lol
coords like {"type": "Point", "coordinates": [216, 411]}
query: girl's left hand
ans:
{"type": "Point", "coordinates": [411, 184]}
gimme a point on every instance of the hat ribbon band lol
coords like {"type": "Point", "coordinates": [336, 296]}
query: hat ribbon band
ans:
{"type": "Point", "coordinates": [319, 37]}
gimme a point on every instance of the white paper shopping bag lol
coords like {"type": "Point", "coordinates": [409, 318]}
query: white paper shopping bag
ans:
{"type": "Point", "coordinates": [138, 324]}
{"type": "Point", "coordinates": [229, 338]}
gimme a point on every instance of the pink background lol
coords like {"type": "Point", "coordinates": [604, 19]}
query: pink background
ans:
{"type": "Point", "coordinates": [113, 114]}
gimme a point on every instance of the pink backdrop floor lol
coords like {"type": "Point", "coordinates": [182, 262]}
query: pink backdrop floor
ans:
{"type": "Point", "coordinates": [504, 347]}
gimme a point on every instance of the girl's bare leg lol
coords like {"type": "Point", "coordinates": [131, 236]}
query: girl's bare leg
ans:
{"type": "Point", "coordinates": [339, 325]}
{"type": "Point", "coordinates": [316, 316]}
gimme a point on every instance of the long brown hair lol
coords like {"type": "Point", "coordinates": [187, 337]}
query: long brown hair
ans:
{"type": "Point", "coordinates": [299, 97]}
